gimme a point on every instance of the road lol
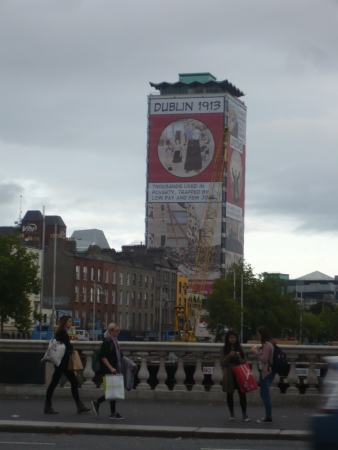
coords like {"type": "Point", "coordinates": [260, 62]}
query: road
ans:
{"type": "Point", "coordinates": [10, 441]}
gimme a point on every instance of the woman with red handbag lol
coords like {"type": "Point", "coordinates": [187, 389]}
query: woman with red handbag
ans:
{"type": "Point", "coordinates": [233, 355]}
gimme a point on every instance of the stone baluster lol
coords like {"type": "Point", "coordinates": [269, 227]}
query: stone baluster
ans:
{"type": "Point", "coordinates": [292, 376]}
{"type": "Point", "coordinates": [217, 376]}
{"type": "Point", "coordinates": [198, 374]}
{"type": "Point", "coordinates": [312, 379]}
{"type": "Point", "coordinates": [88, 373]}
{"type": "Point", "coordinates": [180, 373]}
{"type": "Point", "coordinates": [162, 374]}
{"type": "Point", "coordinates": [254, 368]}
{"type": "Point", "coordinates": [143, 373]}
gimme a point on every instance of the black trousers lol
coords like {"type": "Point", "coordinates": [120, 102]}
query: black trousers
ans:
{"type": "Point", "coordinates": [70, 374]}
{"type": "Point", "coordinates": [112, 404]}
{"type": "Point", "coordinates": [242, 399]}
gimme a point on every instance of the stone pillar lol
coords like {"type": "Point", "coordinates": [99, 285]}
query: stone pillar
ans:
{"type": "Point", "coordinates": [162, 374]}
{"type": "Point", "coordinates": [88, 373]}
{"type": "Point", "coordinates": [293, 376]}
{"type": "Point", "coordinates": [217, 376]}
{"type": "Point", "coordinates": [180, 373]}
{"type": "Point", "coordinates": [143, 373]}
{"type": "Point", "coordinates": [312, 379]}
{"type": "Point", "coordinates": [198, 374]}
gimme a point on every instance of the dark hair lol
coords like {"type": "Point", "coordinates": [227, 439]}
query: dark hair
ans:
{"type": "Point", "coordinates": [62, 321]}
{"type": "Point", "coordinates": [228, 347]}
{"type": "Point", "coordinates": [265, 334]}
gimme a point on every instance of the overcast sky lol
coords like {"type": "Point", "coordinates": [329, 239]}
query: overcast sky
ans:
{"type": "Point", "coordinates": [74, 83]}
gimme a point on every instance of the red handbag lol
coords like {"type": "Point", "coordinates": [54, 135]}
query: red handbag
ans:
{"type": "Point", "coordinates": [245, 379]}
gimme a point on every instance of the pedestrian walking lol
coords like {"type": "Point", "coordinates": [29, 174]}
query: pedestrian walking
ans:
{"type": "Point", "coordinates": [111, 363]}
{"type": "Point", "coordinates": [266, 376]}
{"type": "Point", "coordinates": [61, 335]}
{"type": "Point", "coordinates": [233, 355]}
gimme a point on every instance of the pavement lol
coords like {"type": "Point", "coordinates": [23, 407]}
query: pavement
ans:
{"type": "Point", "coordinates": [156, 419]}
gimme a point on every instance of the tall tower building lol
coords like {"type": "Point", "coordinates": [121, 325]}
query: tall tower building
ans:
{"type": "Point", "coordinates": [186, 122]}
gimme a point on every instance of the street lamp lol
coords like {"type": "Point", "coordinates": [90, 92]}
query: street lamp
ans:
{"type": "Point", "coordinates": [162, 296]}
{"type": "Point", "coordinates": [96, 286]}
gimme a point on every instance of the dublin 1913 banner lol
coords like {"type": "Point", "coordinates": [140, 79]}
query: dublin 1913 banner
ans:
{"type": "Point", "coordinates": [184, 135]}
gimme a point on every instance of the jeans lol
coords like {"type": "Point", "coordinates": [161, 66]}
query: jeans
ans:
{"type": "Point", "coordinates": [264, 384]}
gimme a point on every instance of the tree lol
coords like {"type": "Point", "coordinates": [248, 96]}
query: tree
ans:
{"type": "Point", "coordinates": [313, 325]}
{"type": "Point", "coordinates": [264, 302]}
{"type": "Point", "coordinates": [18, 280]}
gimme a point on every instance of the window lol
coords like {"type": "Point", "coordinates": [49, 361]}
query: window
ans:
{"type": "Point", "coordinates": [145, 322]}
{"type": "Point", "coordinates": [91, 294]}
{"type": "Point", "coordinates": [99, 272]}
{"type": "Point", "coordinates": [140, 281]}
{"type": "Point", "coordinates": [133, 321]}
{"type": "Point", "coordinates": [128, 279]}
{"type": "Point", "coordinates": [158, 274]}
{"type": "Point", "coordinates": [77, 272]}
{"type": "Point", "coordinates": [107, 276]}
{"type": "Point", "coordinates": [105, 324]}
{"type": "Point", "coordinates": [120, 297]}
{"type": "Point", "coordinates": [113, 317]}
{"type": "Point", "coordinates": [151, 321]}
{"type": "Point", "coordinates": [151, 300]}
{"type": "Point", "coordinates": [139, 299]}
{"type": "Point", "coordinates": [173, 277]}
{"type": "Point", "coordinates": [120, 279]}
{"type": "Point", "coordinates": [133, 299]}
{"type": "Point", "coordinates": [152, 283]}
{"type": "Point", "coordinates": [114, 278]}
{"type": "Point", "coordinates": [92, 274]}
{"type": "Point", "coordinates": [98, 295]}
{"type": "Point", "coordinates": [85, 271]}
{"type": "Point", "coordinates": [127, 321]}
{"type": "Point", "coordinates": [84, 294]}
{"type": "Point", "coordinates": [146, 300]}
{"type": "Point", "coordinates": [127, 298]}
{"type": "Point", "coordinates": [76, 293]}
{"type": "Point", "coordinates": [120, 320]}
{"type": "Point", "coordinates": [134, 279]}
{"type": "Point", "coordinates": [106, 296]}
{"type": "Point", "coordinates": [146, 281]}
{"type": "Point", "coordinates": [139, 321]}
{"type": "Point", "coordinates": [113, 297]}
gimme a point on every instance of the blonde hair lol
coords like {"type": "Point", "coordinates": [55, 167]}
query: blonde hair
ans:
{"type": "Point", "coordinates": [110, 327]}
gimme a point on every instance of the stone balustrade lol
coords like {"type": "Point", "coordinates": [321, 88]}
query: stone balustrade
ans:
{"type": "Point", "coordinates": [183, 363]}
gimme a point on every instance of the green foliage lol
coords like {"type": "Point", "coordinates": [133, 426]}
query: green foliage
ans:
{"type": "Point", "coordinates": [18, 280]}
{"type": "Point", "coordinates": [264, 302]}
{"type": "Point", "coordinates": [313, 325]}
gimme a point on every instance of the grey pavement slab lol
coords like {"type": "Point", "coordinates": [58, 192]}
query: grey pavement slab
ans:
{"type": "Point", "coordinates": [154, 419]}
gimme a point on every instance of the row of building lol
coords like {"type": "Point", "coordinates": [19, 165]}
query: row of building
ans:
{"type": "Point", "coordinates": [137, 288]}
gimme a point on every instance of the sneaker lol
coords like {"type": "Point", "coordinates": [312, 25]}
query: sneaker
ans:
{"type": "Point", "coordinates": [95, 406]}
{"type": "Point", "coordinates": [116, 416]}
{"type": "Point", "coordinates": [232, 417]}
{"type": "Point", "coordinates": [246, 418]}
{"type": "Point", "coordinates": [265, 420]}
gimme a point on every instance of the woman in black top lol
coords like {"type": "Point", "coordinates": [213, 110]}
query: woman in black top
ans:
{"type": "Point", "coordinates": [61, 335]}
{"type": "Point", "coordinates": [232, 355]}
{"type": "Point", "coordinates": [111, 357]}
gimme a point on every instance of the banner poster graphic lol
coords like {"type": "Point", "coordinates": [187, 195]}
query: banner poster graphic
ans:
{"type": "Point", "coordinates": [237, 125]}
{"type": "Point", "coordinates": [230, 259]}
{"type": "Point", "coordinates": [184, 136]}
{"type": "Point", "coordinates": [177, 227]}
{"type": "Point", "coordinates": [234, 236]}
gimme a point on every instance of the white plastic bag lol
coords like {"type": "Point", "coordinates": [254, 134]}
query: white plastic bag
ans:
{"type": "Point", "coordinates": [113, 387]}
{"type": "Point", "coordinates": [54, 353]}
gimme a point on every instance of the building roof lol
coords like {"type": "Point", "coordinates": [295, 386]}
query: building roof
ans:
{"type": "Point", "coordinates": [315, 276]}
{"type": "Point", "coordinates": [197, 83]}
{"type": "Point", "coordinates": [85, 238]}
{"type": "Point", "coordinates": [36, 216]}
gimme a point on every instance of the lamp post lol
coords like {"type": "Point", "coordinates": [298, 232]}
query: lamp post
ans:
{"type": "Point", "coordinates": [96, 286]}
